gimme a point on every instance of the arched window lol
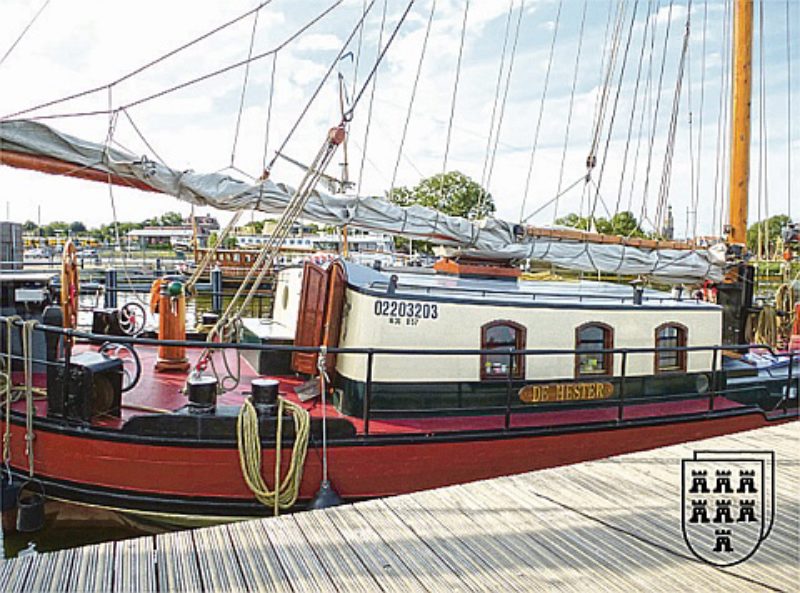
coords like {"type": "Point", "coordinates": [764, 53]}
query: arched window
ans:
{"type": "Point", "coordinates": [670, 335]}
{"type": "Point", "coordinates": [589, 338]}
{"type": "Point", "coordinates": [502, 335]}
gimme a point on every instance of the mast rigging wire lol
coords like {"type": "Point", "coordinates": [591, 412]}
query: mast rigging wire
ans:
{"type": "Point", "coordinates": [24, 31]}
{"type": "Point", "coordinates": [647, 26]}
{"type": "Point", "coordinates": [648, 102]}
{"type": "Point", "coordinates": [413, 96]}
{"type": "Point", "coordinates": [666, 173]}
{"type": "Point", "coordinates": [545, 86]}
{"type": "Point", "coordinates": [503, 103]}
{"type": "Point", "coordinates": [244, 89]}
{"type": "Point", "coordinates": [654, 128]}
{"type": "Point", "coordinates": [569, 112]}
{"type": "Point", "coordinates": [143, 67]}
{"type": "Point", "coordinates": [371, 102]}
{"type": "Point", "coordinates": [455, 95]}
{"type": "Point", "coordinates": [696, 196]}
{"type": "Point", "coordinates": [788, 113]}
{"type": "Point", "coordinates": [497, 92]}
{"type": "Point", "coordinates": [614, 108]}
{"type": "Point", "coordinates": [721, 120]}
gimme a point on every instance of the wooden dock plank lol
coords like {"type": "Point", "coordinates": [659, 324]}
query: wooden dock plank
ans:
{"type": "Point", "coordinates": [611, 524]}
{"type": "Point", "coordinates": [54, 569]}
{"type": "Point", "coordinates": [178, 563]}
{"type": "Point", "coordinates": [301, 565]}
{"type": "Point", "coordinates": [416, 553]}
{"type": "Point", "coordinates": [92, 569]}
{"type": "Point", "coordinates": [134, 565]}
{"type": "Point", "coordinates": [15, 572]}
{"type": "Point", "coordinates": [378, 557]}
{"type": "Point", "coordinates": [473, 567]}
{"type": "Point", "coordinates": [261, 569]}
{"type": "Point", "coordinates": [342, 564]}
{"type": "Point", "coordinates": [219, 565]}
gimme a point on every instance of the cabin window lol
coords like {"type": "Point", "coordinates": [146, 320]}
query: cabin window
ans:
{"type": "Point", "coordinates": [670, 335]}
{"type": "Point", "coordinates": [589, 338]}
{"type": "Point", "coordinates": [502, 335]}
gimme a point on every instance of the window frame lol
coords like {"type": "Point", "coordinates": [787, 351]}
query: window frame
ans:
{"type": "Point", "coordinates": [683, 339]}
{"type": "Point", "coordinates": [608, 344]}
{"type": "Point", "coordinates": [520, 341]}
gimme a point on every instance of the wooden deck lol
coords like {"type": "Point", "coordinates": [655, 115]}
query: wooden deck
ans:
{"type": "Point", "coordinates": [609, 525]}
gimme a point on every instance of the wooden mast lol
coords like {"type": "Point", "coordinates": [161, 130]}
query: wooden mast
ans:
{"type": "Point", "coordinates": [740, 119]}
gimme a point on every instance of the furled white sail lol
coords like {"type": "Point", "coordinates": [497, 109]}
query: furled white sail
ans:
{"type": "Point", "coordinates": [490, 238]}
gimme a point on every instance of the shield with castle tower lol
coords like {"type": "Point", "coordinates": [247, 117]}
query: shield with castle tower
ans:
{"type": "Point", "coordinates": [728, 504]}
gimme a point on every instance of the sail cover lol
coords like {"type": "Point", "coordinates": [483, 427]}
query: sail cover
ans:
{"type": "Point", "coordinates": [487, 239]}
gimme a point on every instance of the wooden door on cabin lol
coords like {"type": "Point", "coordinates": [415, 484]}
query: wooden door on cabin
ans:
{"type": "Point", "coordinates": [310, 318]}
{"type": "Point", "coordinates": [333, 313]}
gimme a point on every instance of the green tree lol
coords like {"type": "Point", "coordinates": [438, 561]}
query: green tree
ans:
{"type": "Point", "coordinates": [171, 219]}
{"type": "Point", "coordinates": [623, 224]}
{"type": "Point", "coordinates": [29, 226]}
{"type": "Point", "coordinates": [77, 227]}
{"type": "Point", "coordinates": [771, 232]}
{"type": "Point", "coordinates": [451, 193]}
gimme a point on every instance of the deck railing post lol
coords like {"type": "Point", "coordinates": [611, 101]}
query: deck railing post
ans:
{"type": "Point", "coordinates": [509, 374]}
{"type": "Point", "coordinates": [621, 408]}
{"type": "Point", "coordinates": [789, 378]}
{"type": "Point", "coordinates": [368, 392]}
{"type": "Point", "coordinates": [714, 379]}
{"type": "Point", "coordinates": [216, 290]}
{"type": "Point", "coordinates": [110, 293]}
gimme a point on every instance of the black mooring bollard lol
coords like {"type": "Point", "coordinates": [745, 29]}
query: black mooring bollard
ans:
{"type": "Point", "coordinates": [30, 507]}
{"type": "Point", "coordinates": [8, 492]}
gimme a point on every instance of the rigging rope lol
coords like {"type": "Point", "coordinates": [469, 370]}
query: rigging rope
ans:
{"type": "Point", "coordinates": [413, 96]}
{"type": "Point", "coordinates": [267, 124]}
{"type": "Point", "coordinates": [24, 31]}
{"type": "Point", "coordinates": [648, 23]}
{"type": "Point", "coordinates": [569, 111]}
{"type": "Point", "coordinates": [654, 128]}
{"type": "Point", "coordinates": [722, 120]}
{"type": "Point", "coordinates": [244, 89]}
{"type": "Point", "coordinates": [503, 104]}
{"type": "Point", "coordinates": [696, 189]}
{"type": "Point", "coordinates": [763, 195]}
{"type": "Point", "coordinates": [661, 207]}
{"type": "Point", "coordinates": [455, 94]}
{"type": "Point", "coordinates": [371, 102]}
{"type": "Point", "coordinates": [601, 104]}
{"type": "Point", "coordinates": [788, 114]}
{"type": "Point", "coordinates": [285, 491]}
{"type": "Point", "coordinates": [142, 68]}
{"type": "Point", "coordinates": [614, 110]}
{"type": "Point", "coordinates": [545, 86]}
{"type": "Point", "coordinates": [648, 102]}
{"type": "Point", "coordinates": [497, 92]}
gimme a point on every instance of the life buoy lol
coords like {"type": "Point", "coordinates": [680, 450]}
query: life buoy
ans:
{"type": "Point", "coordinates": [70, 285]}
{"type": "Point", "coordinates": [155, 294]}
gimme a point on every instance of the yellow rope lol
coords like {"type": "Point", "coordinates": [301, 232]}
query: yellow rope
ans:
{"type": "Point", "coordinates": [767, 326]}
{"type": "Point", "coordinates": [249, 440]}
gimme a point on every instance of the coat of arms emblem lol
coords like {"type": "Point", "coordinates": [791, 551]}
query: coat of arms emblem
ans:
{"type": "Point", "coordinates": [728, 504]}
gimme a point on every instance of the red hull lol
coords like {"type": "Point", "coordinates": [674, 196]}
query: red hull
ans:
{"type": "Point", "coordinates": [358, 469]}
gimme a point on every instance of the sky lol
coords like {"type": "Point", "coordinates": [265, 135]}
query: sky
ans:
{"type": "Point", "coordinates": [521, 132]}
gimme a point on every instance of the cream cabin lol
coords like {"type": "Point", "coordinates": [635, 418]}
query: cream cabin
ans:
{"type": "Point", "coordinates": [573, 332]}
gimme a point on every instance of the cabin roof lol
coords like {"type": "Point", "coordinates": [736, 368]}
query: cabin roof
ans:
{"type": "Point", "coordinates": [440, 287]}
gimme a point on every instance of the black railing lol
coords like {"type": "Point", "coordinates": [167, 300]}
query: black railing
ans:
{"type": "Point", "coordinates": [790, 388]}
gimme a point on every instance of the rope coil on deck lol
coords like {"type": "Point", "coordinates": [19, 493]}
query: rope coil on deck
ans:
{"type": "Point", "coordinates": [249, 440]}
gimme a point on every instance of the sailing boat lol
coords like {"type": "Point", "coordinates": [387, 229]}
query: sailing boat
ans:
{"type": "Point", "coordinates": [397, 381]}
